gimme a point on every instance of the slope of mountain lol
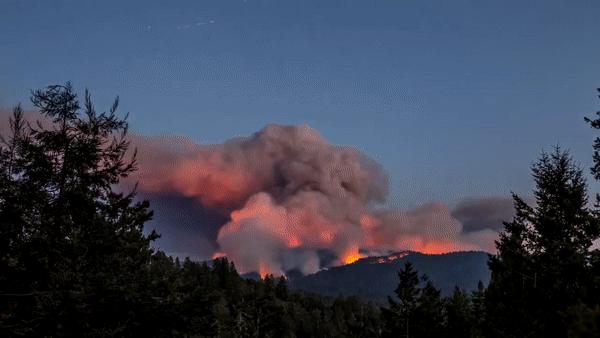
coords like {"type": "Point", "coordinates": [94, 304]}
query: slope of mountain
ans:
{"type": "Point", "coordinates": [374, 278]}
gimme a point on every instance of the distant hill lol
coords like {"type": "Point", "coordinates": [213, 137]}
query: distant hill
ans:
{"type": "Point", "coordinates": [374, 278]}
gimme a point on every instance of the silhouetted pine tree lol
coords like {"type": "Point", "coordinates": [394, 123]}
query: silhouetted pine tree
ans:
{"type": "Point", "coordinates": [399, 317]}
{"type": "Point", "coordinates": [478, 311]}
{"type": "Point", "coordinates": [74, 257]}
{"type": "Point", "coordinates": [459, 315]}
{"type": "Point", "coordinates": [542, 266]}
{"type": "Point", "coordinates": [429, 314]}
{"type": "Point", "coordinates": [594, 255]}
{"type": "Point", "coordinates": [418, 310]}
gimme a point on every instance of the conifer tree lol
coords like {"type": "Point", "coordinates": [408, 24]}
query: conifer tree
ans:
{"type": "Point", "coordinates": [400, 315]}
{"type": "Point", "coordinates": [478, 311]}
{"type": "Point", "coordinates": [74, 255]}
{"type": "Point", "coordinates": [418, 310]}
{"type": "Point", "coordinates": [459, 320]}
{"type": "Point", "coordinates": [429, 314]}
{"type": "Point", "coordinates": [541, 268]}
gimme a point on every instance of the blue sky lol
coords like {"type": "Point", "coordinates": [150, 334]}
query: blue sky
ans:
{"type": "Point", "coordinates": [454, 98]}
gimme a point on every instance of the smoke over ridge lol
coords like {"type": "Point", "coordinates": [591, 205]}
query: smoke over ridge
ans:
{"type": "Point", "coordinates": [288, 195]}
{"type": "Point", "coordinates": [284, 198]}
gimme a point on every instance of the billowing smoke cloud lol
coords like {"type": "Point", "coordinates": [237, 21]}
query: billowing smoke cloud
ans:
{"type": "Point", "coordinates": [284, 199]}
{"type": "Point", "coordinates": [286, 195]}
{"type": "Point", "coordinates": [484, 213]}
{"type": "Point", "coordinates": [283, 188]}
{"type": "Point", "coordinates": [282, 161]}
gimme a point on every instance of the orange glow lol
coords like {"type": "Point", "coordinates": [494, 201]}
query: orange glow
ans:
{"type": "Point", "coordinates": [391, 258]}
{"type": "Point", "coordinates": [218, 254]}
{"type": "Point", "coordinates": [326, 236]}
{"type": "Point", "coordinates": [293, 242]}
{"type": "Point", "coordinates": [286, 191]}
{"type": "Point", "coordinates": [349, 259]}
{"type": "Point", "coordinates": [262, 270]}
{"type": "Point", "coordinates": [368, 222]}
{"type": "Point", "coordinates": [350, 256]}
{"type": "Point", "coordinates": [434, 248]}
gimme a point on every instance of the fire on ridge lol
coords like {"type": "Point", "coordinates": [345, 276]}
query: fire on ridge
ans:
{"type": "Point", "coordinates": [288, 194]}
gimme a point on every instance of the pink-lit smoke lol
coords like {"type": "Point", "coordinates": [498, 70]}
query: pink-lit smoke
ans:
{"type": "Point", "coordinates": [288, 194]}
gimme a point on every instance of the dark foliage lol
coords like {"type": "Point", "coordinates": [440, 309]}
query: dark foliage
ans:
{"type": "Point", "coordinates": [418, 310]}
{"type": "Point", "coordinates": [75, 259]}
{"type": "Point", "coordinates": [73, 254]}
{"type": "Point", "coordinates": [545, 268]}
{"type": "Point", "coordinates": [445, 271]}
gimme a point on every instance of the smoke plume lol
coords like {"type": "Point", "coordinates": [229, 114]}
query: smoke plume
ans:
{"type": "Point", "coordinates": [285, 199]}
{"type": "Point", "coordinates": [484, 213]}
{"type": "Point", "coordinates": [285, 196]}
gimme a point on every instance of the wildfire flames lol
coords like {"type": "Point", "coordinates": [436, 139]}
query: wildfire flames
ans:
{"type": "Point", "coordinates": [390, 258]}
{"type": "Point", "coordinates": [290, 197]}
{"type": "Point", "coordinates": [351, 257]}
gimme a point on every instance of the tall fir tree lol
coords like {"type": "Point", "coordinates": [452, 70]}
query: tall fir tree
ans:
{"type": "Point", "coordinates": [478, 311]}
{"type": "Point", "coordinates": [541, 268]}
{"type": "Point", "coordinates": [74, 255]}
{"type": "Point", "coordinates": [594, 257]}
{"type": "Point", "coordinates": [400, 315]}
{"type": "Point", "coordinates": [418, 310]}
{"type": "Point", "coordinates": [459, 315]}
{"type": "Point", "coordinates": [429, 314]}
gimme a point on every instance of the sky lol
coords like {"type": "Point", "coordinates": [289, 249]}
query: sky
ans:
{"type": "Point", "coordinates": [455, 99]}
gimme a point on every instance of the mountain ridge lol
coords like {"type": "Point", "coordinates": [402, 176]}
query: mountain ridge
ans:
{"type": "Point", "coordinates": [375, 278]}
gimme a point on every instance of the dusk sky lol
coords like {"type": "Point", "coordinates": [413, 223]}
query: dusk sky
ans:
{"type": "Point", "coordinates": [455, 99]}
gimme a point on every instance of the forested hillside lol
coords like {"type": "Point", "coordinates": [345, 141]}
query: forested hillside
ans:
{"type": "Point", "coordinates": [375, 278]}
{"type": "Point", "coordinates": [75, 259]}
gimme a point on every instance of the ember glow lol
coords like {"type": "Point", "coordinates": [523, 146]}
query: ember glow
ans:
{"type": "Point", "coordinates": [350, 256]}
{"type": "Point", "coordinates": [390, 258]}
{"type": "Point", "coordinates": [289, 196]}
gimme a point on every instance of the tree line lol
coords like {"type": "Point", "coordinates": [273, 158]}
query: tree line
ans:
{"type": "Point", "coordinates": [75, 259]}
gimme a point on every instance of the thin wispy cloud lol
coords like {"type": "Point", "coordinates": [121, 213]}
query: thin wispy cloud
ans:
{"type": "Point", "coordinates": [196, 24]}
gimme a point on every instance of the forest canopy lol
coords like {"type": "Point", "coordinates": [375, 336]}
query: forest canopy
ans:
{"type": "Point", "coordinates": [77, 260]}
